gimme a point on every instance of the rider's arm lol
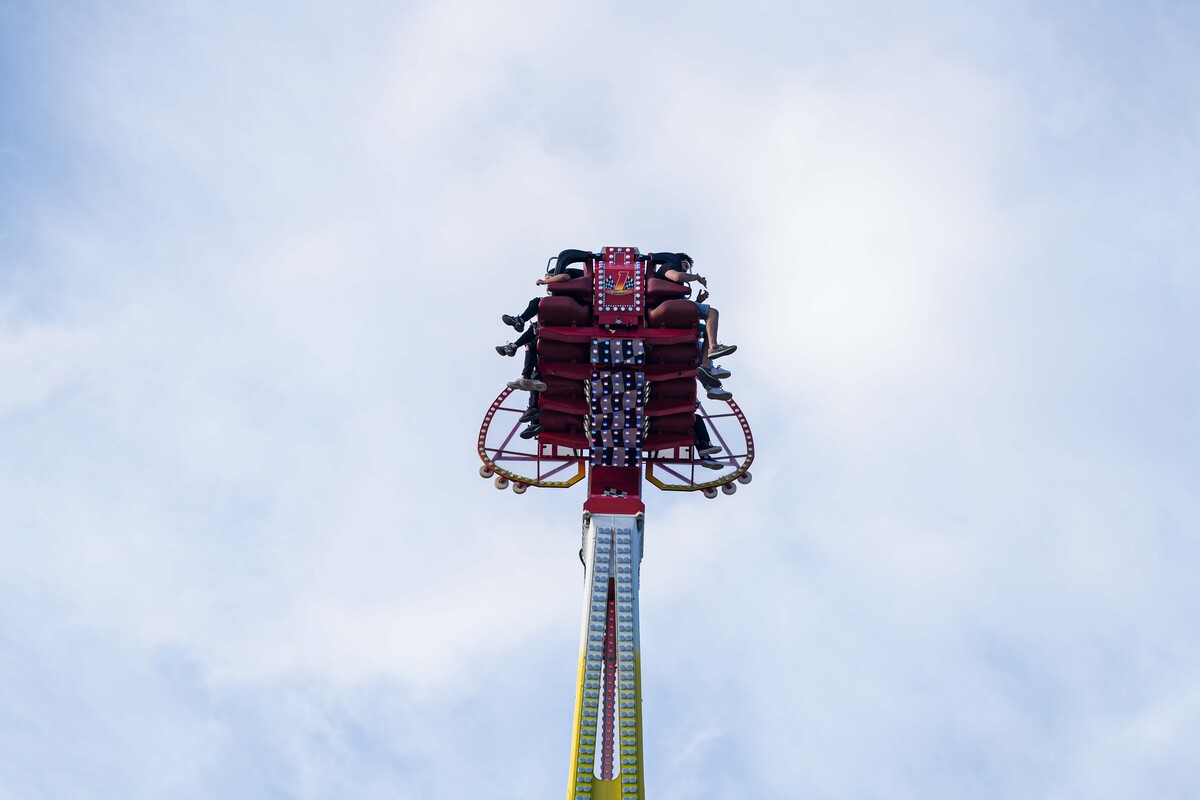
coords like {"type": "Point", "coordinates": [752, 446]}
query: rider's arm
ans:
{"type": "Point", "coordinates": [686, 277]}
{"type": "Point", "coordinates": [553, 279]}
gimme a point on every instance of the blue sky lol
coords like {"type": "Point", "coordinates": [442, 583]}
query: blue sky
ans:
{"type": "Point", "coordinates": [252, 262]}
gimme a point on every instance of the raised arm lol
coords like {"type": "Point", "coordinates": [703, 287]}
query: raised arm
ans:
{"type": "Point", "coordinates": [685, 277]}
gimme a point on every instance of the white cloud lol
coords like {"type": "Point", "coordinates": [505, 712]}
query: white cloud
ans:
{"type": "Point", "coordinates": [241, 377]}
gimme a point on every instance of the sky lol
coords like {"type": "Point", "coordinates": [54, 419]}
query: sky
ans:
{"type": "Point", "coordinates": [252, 262]}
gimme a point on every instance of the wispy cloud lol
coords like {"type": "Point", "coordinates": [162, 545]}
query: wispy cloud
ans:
{"type": "Point", "coordinates": [254, 263]}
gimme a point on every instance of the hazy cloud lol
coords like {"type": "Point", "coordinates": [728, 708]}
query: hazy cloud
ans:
{"type": "Point", "coordinates": [254, 259]}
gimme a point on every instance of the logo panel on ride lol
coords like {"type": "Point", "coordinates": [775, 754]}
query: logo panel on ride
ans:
{"type": "Point", "coordinates": [620, 276]}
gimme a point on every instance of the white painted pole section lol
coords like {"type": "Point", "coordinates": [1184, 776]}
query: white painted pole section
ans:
{"type": "Point", "coordinates": [612, 551]}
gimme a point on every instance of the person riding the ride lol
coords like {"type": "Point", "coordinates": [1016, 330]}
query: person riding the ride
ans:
{"type": "Point", "coordinates": [530, 379]}
{"type": "Point", "coordinates": [561, 271]}
{"type": "Point", "coordinates": [677, 268]}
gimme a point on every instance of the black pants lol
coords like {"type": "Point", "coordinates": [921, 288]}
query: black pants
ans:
{"type": "Point", "coordinates": [530, 370]}
{"type": "Point", "coordinates": [527, 337]}
{"type": "Point", "coordinates": [531, 310]}
{"type": "Point", "coordinates": [530, 367]}
{"type": "Point", "coordinates": [702, 439]}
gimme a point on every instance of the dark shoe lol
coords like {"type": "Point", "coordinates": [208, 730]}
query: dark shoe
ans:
{"type": "Point", "coordinates": [532, 431]}
{"type": "Point", "coordinates": [516, 322]}
{"type": "Point", "coordinates": [532, 385]}
{"type": "Point", "coordinates": [509, 349]}
{"type": "Point", "coordinates": [718, 350]}
{"type": "Point", "coordinates": [531, 414]}
{"type": "Point", "coordinates": [706, 462]}
{"type": "Point", "coordinates": [706, 378]}
{"type": "Point", "coordinates": [709, 449]}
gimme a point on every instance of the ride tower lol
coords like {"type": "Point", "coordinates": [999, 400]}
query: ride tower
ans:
{"type": "Point", "coordinates": [617, 350]}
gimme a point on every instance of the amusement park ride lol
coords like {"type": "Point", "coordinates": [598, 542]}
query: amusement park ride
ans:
{"type": "Point", "coordinates": [617, 350]}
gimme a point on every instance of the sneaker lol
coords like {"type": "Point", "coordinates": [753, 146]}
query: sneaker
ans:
{"type": "Point", "coordinates": [516, 322]}
{"type": "Point", "coordinates": [709, 449]}
{"type": "Point", "coordinates": [531, 385]}
{"type": "Point", "coordinates": [516, 385]}
{"type": "Point", "coordinates": [531, 414]}
{"type": "Point", "coordinates": [718, 372]}
{"type": "Point", "coordinates": [706, 378]}
{"type": "Point", "coordinates": [706, 462]}
{"type": "Point", "coordinates": [532, 431]}
{"type": "Point", "coordinates": [718, 393]}
{"type": "Point", "coordinates": [509, 349]}
{"type": "Point", "coordinates": [718, 350]}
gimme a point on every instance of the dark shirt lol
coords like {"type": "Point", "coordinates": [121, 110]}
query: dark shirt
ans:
{"type": "Point", "coordinates": [666, 261]}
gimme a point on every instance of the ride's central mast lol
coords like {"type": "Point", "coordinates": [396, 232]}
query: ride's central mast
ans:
{"type": "Point", "coordinates": [607, 743]}
{"type": "Point", "coordinates": [617, 351]}
{"type": "Point", "coordinates": [607, 740]}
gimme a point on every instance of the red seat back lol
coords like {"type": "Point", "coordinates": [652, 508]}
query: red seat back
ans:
{"type": "Point", "coordinates": [563, 311]}
{"type": "Point", "coordinates": [579, 288]}
{"type": "Point", "coordinates": [673, 389]}
{"type": "Point", "coordinates": [672, 354]}
{"type": "Point", "coordinates": [658, 289]}
{"type": "Point", "coordinates": [566, 352]}
{"type": "Point", "coordinates": [677, 424]}
{"type": "Point", "coordinates": [558, 422]}
{"type": "Point", "coordinates": [673, 314]}
{"type": "Point", "coordinates": [557, 386]}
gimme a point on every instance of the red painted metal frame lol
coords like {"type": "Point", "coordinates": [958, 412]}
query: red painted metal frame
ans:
{"type": "Point", "coordinates": [492, 455]}
{"type": "Point", "coordinates": [618, 489]}
{"type": "Point", "coordinates": [739, 461]}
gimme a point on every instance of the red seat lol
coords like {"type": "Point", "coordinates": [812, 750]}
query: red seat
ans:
{"type": "Point", "coordinates": [579, 288]}
{"type": "Point", "coordinates": [567, 369]}
{"type": "Point", "coordinates": [663, 441]}
{"type": "Point", "coordinates": [681, 354]}
{"type": "Point", "coordinates": [675, 389]}
{"type": "Point", "coordinates": [658, 289]}
{"type": "Point", "coordinates": [577, 441]}
{"type": "Point", "coordinates": [550, 350]}
{"type": "Point", "coordinates": [670, 405]}
{"type": "Point", "coordinates": [562, 387]}
{"type": "Point", "coordinates": [672, 314]}
{"type": "Point", "coordinates": [567, 405]}
{"type": "Point", "coordinates": [673, 424]}
{"type": "Point", "coordinates": [563, 311]}
{"type": "Point", "coordinates": [558, 422]}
